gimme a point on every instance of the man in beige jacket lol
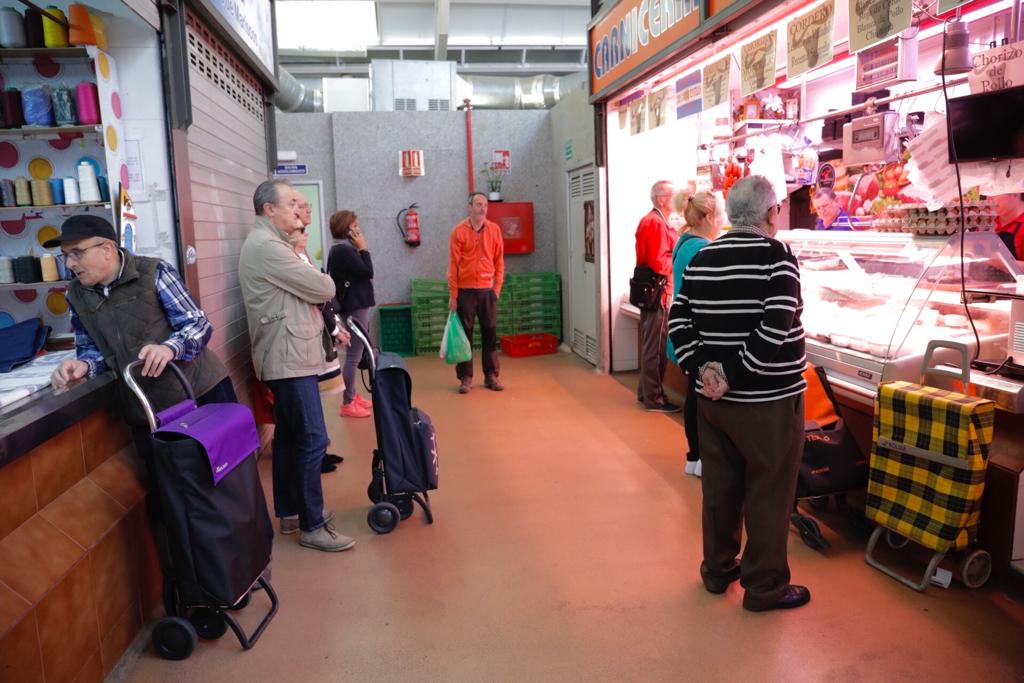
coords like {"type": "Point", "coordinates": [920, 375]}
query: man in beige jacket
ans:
{"type": "Point", "coordinates": [282, 297]}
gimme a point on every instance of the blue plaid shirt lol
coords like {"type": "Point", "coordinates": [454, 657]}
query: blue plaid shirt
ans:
{"type": "Point", "coordinates": [192, 329]}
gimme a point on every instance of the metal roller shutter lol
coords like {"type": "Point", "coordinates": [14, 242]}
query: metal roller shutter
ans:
{"type": "Point", "coordinates": [227, 159]}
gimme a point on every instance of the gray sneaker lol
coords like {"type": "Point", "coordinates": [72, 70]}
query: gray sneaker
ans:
{"type": "Point", "coordinates": [289, 525]}
{"type": "Point", "coordinates": [327, 539]}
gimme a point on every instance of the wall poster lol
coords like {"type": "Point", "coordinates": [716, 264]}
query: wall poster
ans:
{"type": "Point", "coordinates": [809, 39]}
{"type": "Point", "coordinates": [588, 231]}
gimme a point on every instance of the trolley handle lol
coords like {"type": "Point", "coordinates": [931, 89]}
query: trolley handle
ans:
{"type": "Point", "coordinates": [964, 375]}
{"type": "Point", "coordinates": [130, 380]}
{"type": "Point", "coordinates": [357, 329]}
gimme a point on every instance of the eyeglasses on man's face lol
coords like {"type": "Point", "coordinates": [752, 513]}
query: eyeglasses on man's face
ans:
{"type": "Point", "coordinates": [76, 254]}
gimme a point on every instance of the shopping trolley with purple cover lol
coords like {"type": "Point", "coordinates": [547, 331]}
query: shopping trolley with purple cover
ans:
{"type": "Point", "coordinates": [211, 524]}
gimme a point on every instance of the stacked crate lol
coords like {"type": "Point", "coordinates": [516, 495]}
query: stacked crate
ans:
{"type": "Point", "coordinates": [396, 329]}
{"type": "Point", "coordinates": [536, 303]}
{"type": "Point", "coordinates": [430, 313]}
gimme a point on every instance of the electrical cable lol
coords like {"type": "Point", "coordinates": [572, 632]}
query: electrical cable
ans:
{"type": "Point", "coordinates": [960, 195]}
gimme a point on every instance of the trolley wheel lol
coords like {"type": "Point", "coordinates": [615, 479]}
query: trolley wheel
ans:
{"type": "Point", "coordinates": [383, 518]}
{"type": "Point", "coordinates": [209, 624]}
{"type": "Point", "coordinates": [894, 540]}
{"type": "Point", "coordinates": [976, 568]}
{"type": "Point", "coordinates": [243, 603]}
{"type": "Point", "coordinates": [174, 638]}
{"type": "Point", "coordinates": [404, 505]}
{"type": "Point", "coordinates": [819, 503]}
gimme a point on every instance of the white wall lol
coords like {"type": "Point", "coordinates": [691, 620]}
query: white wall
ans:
{"type": "Point", "coordinates": [135, 48]}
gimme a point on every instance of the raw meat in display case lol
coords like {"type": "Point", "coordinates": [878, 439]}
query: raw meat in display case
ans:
{"type": "Point", "coordinates": [873, 301]}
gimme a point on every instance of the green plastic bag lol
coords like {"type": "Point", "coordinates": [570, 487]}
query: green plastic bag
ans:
{"type": "Point", "coordinates": [455, 346]}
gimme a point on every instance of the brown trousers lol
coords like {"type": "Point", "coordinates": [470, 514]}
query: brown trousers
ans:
{"type": "Point", "coordinates": [751, 454]}
{"type": "Point", "coordinates": [482, 304]}
{"type": "Point", "coordinates": [653, 356]}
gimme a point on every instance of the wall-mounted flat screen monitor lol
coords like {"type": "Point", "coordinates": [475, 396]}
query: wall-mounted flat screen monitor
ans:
{"type": "Point", "coordinates": [987, 126]}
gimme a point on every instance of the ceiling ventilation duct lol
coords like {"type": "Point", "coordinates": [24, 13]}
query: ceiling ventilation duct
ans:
{"type": "Point", "coordinates": [293, 96]}
{"type": "Point", "coordinates": [517, 92]}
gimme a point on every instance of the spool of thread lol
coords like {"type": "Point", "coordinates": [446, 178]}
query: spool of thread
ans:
{"type": "Point", "coordinates": [12, 108]}
{"type": "Point", "coordinates": [57, 190]}
{"type": "Point", "coordinates": [81, 32]}
{"type": "Point", "coordinates": [88, 184]}
{"type": "Point", "coordinates": [34, 27]}
{"type": "Point", "coordinates": [27, 269]}
{"type": "Point", "coordinates": [104, 188]}
{"type": "Point", "coordinates": [7, 192]}
{"type": "Point", "coordinates": [6, 270]}
{"type": "Point", "coordinates": [88, 102]}
{"type": "Point", "coordinates": [71, 195]}
{"type": "Point", "coordinates": [41, 194]}
{"type": "Point", "coordinates": [12, 28]}
{"type": "Point", "coordinates": [37, 106]}
{"type": "Point", "coordinates": [97, 30]}
{"type": "Point", "coordinates": [54, 34]}
{"type": "Point", "coordinates": [63, 107]}
{"type": "Point", "coordinates": [22, 193]}
{"type": "Point", "coordinates": [48, 267]}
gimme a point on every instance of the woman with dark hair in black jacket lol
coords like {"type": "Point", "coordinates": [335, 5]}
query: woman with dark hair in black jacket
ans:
{"type": "Point", "coordinates": [350, 266]}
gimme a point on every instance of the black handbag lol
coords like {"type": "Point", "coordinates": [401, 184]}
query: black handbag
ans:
{"type": "Point", "coordinates": [832, 461]}
{"type": "Point", "coordinates": [646, 288]}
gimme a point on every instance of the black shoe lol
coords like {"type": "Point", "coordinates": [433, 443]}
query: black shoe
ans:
{"type": "Point", "coordinates": [664, 407]}
{"type": "Point", "coordinates": [332, 459]}
{"type": "Point", "coordinates": [792, 596]}
{"type": "Point", "coordinates": [326, 467]}
{"type": "Point", "coordinates": [493, 384]}
{"type": "Point", "coordinates": [719, 584]}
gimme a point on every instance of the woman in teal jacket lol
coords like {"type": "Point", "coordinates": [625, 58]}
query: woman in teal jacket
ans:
{"type": "Point", "coordinates": [703, 223]}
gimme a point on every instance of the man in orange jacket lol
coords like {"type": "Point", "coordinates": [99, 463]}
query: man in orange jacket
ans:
{"type": "Point", "coordinates": [476, 270]}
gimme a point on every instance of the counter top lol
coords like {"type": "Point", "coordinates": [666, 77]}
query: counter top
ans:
{"type": "Point", "coordinates": [34, 419]}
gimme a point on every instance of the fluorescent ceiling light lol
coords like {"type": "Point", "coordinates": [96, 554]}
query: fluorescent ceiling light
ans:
{"type": "Point", "coordinates": [326, 25]}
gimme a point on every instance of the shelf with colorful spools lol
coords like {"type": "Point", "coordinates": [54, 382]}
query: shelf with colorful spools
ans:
{"type": "Point", "coordinates": [60, 136]}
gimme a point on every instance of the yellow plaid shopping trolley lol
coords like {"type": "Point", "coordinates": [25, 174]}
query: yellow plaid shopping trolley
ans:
{"type": "Point", "coordinates": [927, 474]}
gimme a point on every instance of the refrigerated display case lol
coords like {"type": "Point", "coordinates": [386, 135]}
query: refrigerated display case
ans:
{"type": "Point", "coordinates": [873, 301]}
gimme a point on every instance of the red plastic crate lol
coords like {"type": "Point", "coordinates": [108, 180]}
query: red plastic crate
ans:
{"type": "Point", "coordinates": [522, 345]}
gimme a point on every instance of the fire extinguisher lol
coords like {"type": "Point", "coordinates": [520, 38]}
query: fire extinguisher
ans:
{"type": "Point", "coordinates": [408, 221]}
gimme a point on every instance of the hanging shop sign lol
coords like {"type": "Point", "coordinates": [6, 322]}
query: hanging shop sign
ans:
{"type": "Point", "coordinates": [872, 21]}
{"type": "Point", "coordinates": [688, 95]}
{"type": "Point", "coordinates": [656, 108]}
{"type": "Point", "coordinates": [809, 39]}
{"type": "Point", "coordinates": [247, 24]}
{"type": "Point", "coordinates": [638, 116]}
{"type": "Point", "coordinates": [950, 5]}
{"type": "Point", "coordinates": [634, 31]}
{"type": "Point", "coordinates": [410, 163]}
{"type": "Point", "coordinates": [716, 82]}
{"type": "Point", "coordinates": [998, 69]}
{"type": "Point", "coordinates": [757, 64]}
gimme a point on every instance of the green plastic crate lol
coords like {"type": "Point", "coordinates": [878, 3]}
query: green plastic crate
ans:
{"type": "Point", "coordinates": [427, 286]}
{"type": "Point", "coordinates": [396, 331]}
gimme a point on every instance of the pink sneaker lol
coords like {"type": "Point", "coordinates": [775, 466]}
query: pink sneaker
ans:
{"type": "Point", "coordinates": [363, 402]}
{"type": "Point", "coordinates": [353, 409]}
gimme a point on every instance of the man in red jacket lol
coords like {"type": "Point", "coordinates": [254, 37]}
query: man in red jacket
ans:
{"type": "Point", "coordinates": [654, 241]}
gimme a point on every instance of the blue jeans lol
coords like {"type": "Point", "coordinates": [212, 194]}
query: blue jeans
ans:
{"type": "Point", "coordinates": [300, 441]}
{"type": "Point", "coordinates": [353, 354]}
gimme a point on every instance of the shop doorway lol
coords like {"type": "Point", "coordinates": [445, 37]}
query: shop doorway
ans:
{"type": "Point", "coordinates": [312, 190]}
{"type": "Point", "coordinates": [583, 292]}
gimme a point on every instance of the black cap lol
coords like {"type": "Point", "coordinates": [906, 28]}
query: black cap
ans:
{"type": "Point", "coordinates": [79, 227]}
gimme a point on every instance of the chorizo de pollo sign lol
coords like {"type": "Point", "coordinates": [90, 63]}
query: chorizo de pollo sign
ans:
{"type": "Point", "coordinates": [635, 30]}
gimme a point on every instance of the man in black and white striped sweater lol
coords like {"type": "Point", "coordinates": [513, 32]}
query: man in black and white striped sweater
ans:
{"type": "Point", "coordinates": [736, 324]}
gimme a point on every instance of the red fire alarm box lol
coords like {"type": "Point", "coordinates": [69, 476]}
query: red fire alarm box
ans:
{"type": "Point", "coordinates": [516, 222]}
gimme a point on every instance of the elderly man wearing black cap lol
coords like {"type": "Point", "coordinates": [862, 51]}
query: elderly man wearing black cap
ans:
{"type": "Point", "coordinates": [125, 308]}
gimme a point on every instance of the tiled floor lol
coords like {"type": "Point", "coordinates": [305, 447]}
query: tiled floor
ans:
{"type": "Point", "coordinates": [566, 547]}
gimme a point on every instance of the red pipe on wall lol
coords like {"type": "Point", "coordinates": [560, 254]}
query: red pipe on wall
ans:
{"type": "Point", "coordinates": [469, 142]}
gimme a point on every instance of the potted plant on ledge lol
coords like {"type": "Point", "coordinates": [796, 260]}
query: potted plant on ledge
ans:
{"type": "Point", "coordinates": [493, 182]}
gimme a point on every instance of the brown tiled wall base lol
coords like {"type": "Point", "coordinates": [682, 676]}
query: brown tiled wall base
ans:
{"type": "Point", "coordinates": [78, 568]}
